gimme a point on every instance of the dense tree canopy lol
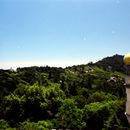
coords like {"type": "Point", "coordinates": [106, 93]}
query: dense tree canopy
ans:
{"type": "Point", "coordinates": [81, 97]}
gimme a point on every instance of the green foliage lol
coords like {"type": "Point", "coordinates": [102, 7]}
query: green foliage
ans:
{"type": "Point", "coordinates": [82, 97]}
{"type": "Point", "coordinates": [33, 99]}
{"type": "Point", "coordinates": [100, 96]}
{"type": "Point", "coordinates": [107, 114]}
{"type": "Point", "coordinates": [40, 125]}
{"type": "Point", "coordinates": [69, 116]}
{"type": "Point", "coordinates": [115, 62]}
{"type": "Point", "coordinates": [80, 101]}
{"type": "Point", "coordinates": [5, 126]}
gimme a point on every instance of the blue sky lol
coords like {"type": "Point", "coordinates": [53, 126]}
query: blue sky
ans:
{"type": "Point", "coordinates": [62, 32]}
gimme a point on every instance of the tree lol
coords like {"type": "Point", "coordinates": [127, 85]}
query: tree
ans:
{"type": "Point", "coordinates": [107, 115]}
{"type": "Point", "coordinates": [69, 116]}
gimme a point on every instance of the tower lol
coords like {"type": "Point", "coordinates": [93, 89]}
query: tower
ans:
{"type": "Point", "coordinates": [127, 85]}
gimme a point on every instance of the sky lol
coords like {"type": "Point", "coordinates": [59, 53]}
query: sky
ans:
{"type": "Point", "coordinates": [62, 32]}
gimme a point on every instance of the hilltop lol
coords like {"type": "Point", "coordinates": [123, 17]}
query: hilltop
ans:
{"type": "Point", "coordinates": [111, 63]}
{"type": "Point", "coordinates": [114, 63]}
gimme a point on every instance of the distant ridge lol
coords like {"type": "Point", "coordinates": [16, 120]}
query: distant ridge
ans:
{"type": "Point", "coordinates": [110, 63]}
{"type": "Point", "coordinates": [115, 63]}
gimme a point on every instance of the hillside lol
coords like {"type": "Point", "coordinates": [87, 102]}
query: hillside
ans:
{"type": "Point", "coordinates": [90, 96]}
{"type": "Point", "coordinates": [113, 63]}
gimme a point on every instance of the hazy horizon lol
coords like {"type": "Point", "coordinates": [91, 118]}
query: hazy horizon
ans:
{"type": "Point", "coordinates": [65, 63]}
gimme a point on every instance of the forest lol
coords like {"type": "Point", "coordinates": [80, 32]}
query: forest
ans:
{"type": "Point", "coordinates": [81, 97]}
